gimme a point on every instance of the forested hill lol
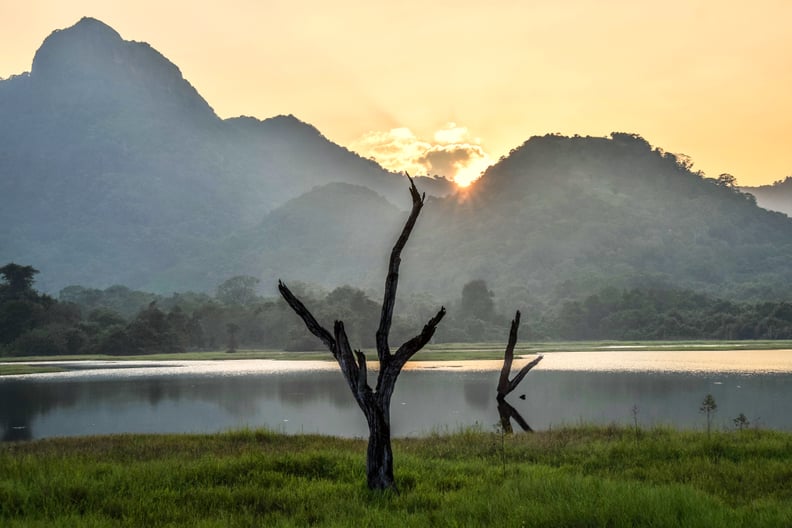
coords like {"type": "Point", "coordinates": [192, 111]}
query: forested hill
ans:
{"type": "Point", "coordinates": [113, 168]}
{"type": "Point", "coordinates": [562, 217]}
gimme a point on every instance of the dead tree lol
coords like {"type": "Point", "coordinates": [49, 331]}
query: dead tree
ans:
{"type": "Point", "coordinates": [505, 385]}
{"type": "Point", "coordinates": [375, 404]}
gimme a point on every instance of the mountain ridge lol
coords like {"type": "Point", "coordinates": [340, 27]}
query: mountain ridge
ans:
{"type": "Point", "coordinates": [139, 186]}
{"type": "Point", "coordinates": [562, 217]}
{"type": "Point", "coordinates": [112, 166]}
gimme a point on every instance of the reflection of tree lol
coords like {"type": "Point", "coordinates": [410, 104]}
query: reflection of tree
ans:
{"type": "Point", "coordinates": [22, 401]}
{"type": "Point", "coordinates": [507, 413]}
{"type": "Point", "coordinates": [477, 392]}
{"type": "Point", "coordinates": [304, 388]}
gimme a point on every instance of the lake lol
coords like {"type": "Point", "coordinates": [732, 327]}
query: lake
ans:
{"type": "Point", "coordinates": [566, 388]}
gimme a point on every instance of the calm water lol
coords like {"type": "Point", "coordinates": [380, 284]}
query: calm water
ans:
{"type": "Point", "coordinates": [312, 397]}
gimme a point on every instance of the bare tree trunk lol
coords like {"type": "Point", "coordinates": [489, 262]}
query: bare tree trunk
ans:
{"type": "Point", "coordinates": [505, 385]}
{"type": "Point", "coordinates": [379, 455]}
{"type": "Point", "coordinates": [375, 404]}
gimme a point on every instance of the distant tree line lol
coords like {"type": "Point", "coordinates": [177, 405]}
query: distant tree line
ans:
{"type": "Point", "coordinates": [121, 321]}
{"type": "Point", "coordinates": [667, 314]}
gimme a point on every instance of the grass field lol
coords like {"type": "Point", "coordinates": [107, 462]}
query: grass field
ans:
{"type": "Point", "coordinates": [583, 476]}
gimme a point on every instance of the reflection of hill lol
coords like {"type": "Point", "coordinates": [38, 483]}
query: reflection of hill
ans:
{"type": "Point", "coordinates": [423, 402]}
{"type": "Point", "coordinates": [22, 401]}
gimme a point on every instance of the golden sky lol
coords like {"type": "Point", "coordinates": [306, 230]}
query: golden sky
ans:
{"type": "Point", "coordinates": [450, 86]}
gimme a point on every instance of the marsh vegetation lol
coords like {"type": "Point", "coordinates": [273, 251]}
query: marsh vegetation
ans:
{"type": "Point", "coordinates": [581, 476]}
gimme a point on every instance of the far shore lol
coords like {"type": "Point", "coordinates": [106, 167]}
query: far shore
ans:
{"type": "Point", "coordinates": [691, 356]}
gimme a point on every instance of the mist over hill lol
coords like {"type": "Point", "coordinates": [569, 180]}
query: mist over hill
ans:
{"type": "Point", "coordinates": [775, 197]}
{"type": "Point", "coordinates": [332, 235]}
{"type": "Point", "coordinates": [114, 170]}
{"type": "Point", "coordinates": [113, 167]}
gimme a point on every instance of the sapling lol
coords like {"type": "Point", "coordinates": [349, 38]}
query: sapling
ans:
{"type": "Point", "coordinates": [708, 406]}
{"type": "Point", "coordinates": [741, 422]}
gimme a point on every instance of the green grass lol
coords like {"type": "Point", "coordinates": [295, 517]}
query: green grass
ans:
{"type": "Point", "coordinates": [583, 476]}
{"type": "Point", "coordinates": [16, 369]}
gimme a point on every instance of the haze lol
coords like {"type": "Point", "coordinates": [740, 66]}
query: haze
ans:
{"type": "Point", "coordinates": [448, 87]}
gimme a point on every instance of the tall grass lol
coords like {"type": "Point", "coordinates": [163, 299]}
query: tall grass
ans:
{"type": "Point", "coordinates": [583, 476]}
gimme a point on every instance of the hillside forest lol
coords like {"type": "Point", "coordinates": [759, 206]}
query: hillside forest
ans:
{"type": "Point", "coordinates": [121, 321]}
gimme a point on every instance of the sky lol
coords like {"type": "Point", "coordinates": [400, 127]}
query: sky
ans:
{"type": "Point", "coordinates": [441, 87]}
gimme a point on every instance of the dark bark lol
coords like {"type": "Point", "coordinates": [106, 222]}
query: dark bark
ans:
{"type": "Point", "coordinates": [375, 404]}
{"type": "Point", "coordinates": [506, 385]}
{"type": "Point", "coordinates": [507, 413]}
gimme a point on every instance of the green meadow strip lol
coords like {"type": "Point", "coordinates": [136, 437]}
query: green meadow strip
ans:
{"type": "Point", "coordinates": [582, 476]}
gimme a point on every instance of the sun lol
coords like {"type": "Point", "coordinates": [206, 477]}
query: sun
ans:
{"type": "Point", "coordinates": [467, 174]}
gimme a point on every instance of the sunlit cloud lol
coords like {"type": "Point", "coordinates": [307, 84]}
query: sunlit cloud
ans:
{"type": "Point", "coordinates": [452, 134]}
{"type": "Point", "coordinates": [451, 152]}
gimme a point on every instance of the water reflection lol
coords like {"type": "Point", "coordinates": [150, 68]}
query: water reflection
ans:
{"type": "Point", "coordinates": [216, 396]}
{"type": "Point", "coordinates": [507, 413]}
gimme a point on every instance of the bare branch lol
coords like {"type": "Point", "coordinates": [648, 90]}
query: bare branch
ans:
{"type": "Point", "coordinates": [505, 386]}
{"type": "Point", "coordinates": [392, 279]}
{"type": "Point", "coordinates": [409, 348]}
{"type": "Point", "coordinates": [523, 371]}
{"type": "Point", "coordinates": [310, 321]}
{"type": "Point", "coordinates": [508, 357]}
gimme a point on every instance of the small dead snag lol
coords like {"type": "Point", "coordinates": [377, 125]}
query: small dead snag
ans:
{"type": "Point", "coordinates": [375, 404]}
{"type": "Point", "coordinates": [505, 385]}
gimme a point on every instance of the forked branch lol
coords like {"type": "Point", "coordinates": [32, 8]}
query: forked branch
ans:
{"type": "Point", "coordinates": [392, 279]}
{"type": "Point", "coordinates": [505, 385]}
{"type": "Point", "coordinates": [409, 348]}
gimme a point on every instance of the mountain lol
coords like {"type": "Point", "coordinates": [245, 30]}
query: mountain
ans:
{"type": "Point", "coordinates": [564, 217]}
{"type": "Point", "coordinates": [113, 168]}
{"type": "Point", "coordinates": [560, 218]}
{"type": "Point", "coordinates": [776, 197]}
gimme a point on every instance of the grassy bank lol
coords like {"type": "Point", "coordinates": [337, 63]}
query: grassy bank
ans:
{"type": "Point", "coordinates": [16, 369]}
{"type": "Point", "coordinates": [586, 476]}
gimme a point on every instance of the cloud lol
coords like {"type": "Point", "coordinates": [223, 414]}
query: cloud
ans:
{"type": "Point", "coordinates": [450, 153]}
{"type": "Point", "coordinates": [452, 134]}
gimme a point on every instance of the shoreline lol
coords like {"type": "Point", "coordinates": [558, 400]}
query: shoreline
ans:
{"type": "Point", "coordinates": [754, 361]}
